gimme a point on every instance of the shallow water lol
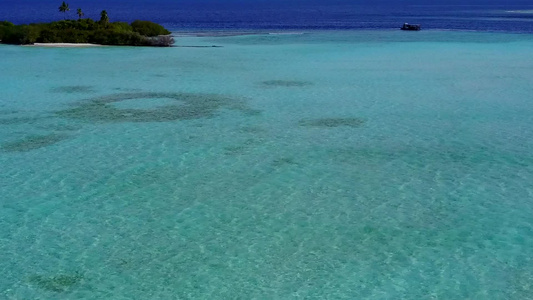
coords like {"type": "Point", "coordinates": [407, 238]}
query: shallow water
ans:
{"type": "Point", "coordinates": [379, 165]}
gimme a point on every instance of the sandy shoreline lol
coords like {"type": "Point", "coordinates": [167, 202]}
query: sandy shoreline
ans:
{"type": "Point", "coordinates": [63, 45]}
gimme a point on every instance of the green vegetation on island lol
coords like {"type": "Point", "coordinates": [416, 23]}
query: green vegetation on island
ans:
{"type": "Point", "coordinates": [104, 32]}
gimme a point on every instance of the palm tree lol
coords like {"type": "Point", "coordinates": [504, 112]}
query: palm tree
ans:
{"type": "Point", "coordinates": [80, 13]}
{"type": "Point", "coordinates": [64, 8]}
{"type": "Point", "coordinates": [104, 18]}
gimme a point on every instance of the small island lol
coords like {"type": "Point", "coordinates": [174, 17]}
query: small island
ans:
{"type": "Point", "coordinates": [86, 31]}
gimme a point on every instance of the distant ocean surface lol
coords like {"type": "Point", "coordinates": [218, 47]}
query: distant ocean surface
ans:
{"type": "Point", "coordinates": [507, 16]}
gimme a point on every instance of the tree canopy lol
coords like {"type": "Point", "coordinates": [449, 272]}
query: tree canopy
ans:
{"type": "Point", "coordinates": [80, 13]}
{"type": "Point", "coordinates": [148, 28]}
{"type": "Point", "coordinates": [81, 31]}
{"type": "Point", "coordinates": [138, 33]}
{"type": "Point", "coordinates": [104, 18]}
{"type": "Point", "coordinates": [64, 8]}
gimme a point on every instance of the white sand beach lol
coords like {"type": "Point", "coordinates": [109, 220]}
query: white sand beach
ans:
{"type": "Point", "coordinates": [64, 45]}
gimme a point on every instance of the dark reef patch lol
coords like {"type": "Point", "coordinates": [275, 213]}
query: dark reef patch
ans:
{"type": "Point", "coordinates": [285, 83]}
{"type": "Point", "coordinates": [41, 122]}
{"type": "Point", "coordinates": [33, 142]}
{"type": "Point", "coordinates": [284, 161]}
{"type": "Point", "coordinates": [58, 283]}
{"type": "Point", "coordinates": [59, 127]}
{"type": "Point", "coordinates": [71, 89]}
{"type": "Point", "coordinates": [236, 150]}
{"type": "Point", "coordinates": [26, 118]}
{"type": "Point", "coordinates": [8, 112]}
{"type": "Point", "coordinates": [19, 120]}
{"type": "Point", "coordinates": [252, 129]}
{"type": "Point", "coordinates": [131, 90]}
{"type": "Point", "coordinates": [333, 122]}
{"type": "Point", "coordinates": [187, 106]}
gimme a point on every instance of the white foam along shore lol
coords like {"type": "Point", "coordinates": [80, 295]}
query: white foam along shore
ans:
{"type": "Point", "coordinates": [64, 45]}
{"type": "Point", "coordinates": [523, 11]}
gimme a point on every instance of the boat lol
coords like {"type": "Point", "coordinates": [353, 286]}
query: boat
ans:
{"type": "Point", "coordinates": [407, 26]}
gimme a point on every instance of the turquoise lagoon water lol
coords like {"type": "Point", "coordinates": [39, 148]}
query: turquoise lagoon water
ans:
{"type": "Point", "coordinates": [338, 165]}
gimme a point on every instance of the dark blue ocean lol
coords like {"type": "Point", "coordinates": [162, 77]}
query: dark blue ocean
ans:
{"type": "Point", "coordinates": [505, 16]}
